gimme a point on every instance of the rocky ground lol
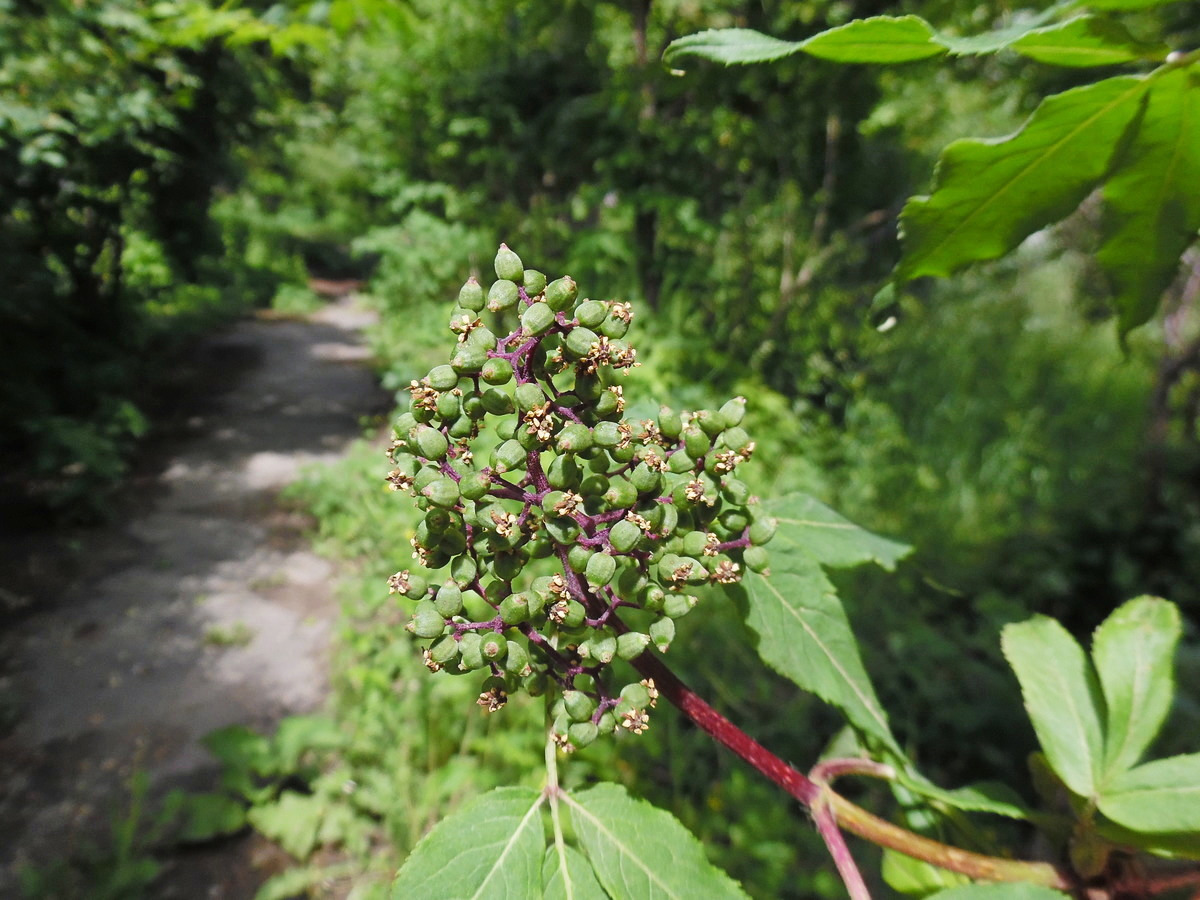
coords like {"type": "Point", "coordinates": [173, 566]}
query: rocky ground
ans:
{"type": "Point", "coordinates": [200, 605]}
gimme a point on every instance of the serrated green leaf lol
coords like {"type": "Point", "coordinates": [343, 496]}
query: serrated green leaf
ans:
{"type": "Point", "coordinates": [1124, 4]}
{"type": "Point", "coordinates": [803, 634]}
{"type": "Point", "coordinates": [639, 851]}
{"type": "Point", "coordinates": [914, 877]}
{"type": "Point", "coordinates": [879, 39]}
{"type": "Point", "coordinates": [491, 848]}
{"type": "Point", "coordinates": [1152, 200]}
{"type": "Point", "coordinates": [1161, 796]}
{"type": "Point", "coordinates": [291, 821]}
{"type": "Point", "coordinates": [567, 875]}
{"type": "Point", "coordinates": [828, 537]}
{"type": "Point", "coordinates": [731, 46]}
{"type": "Point", "coordinates": [1015, 891]}
{"type": "Point", "coordinates": [1062, 696]}
{"type": "Point", "coordinates": [1085, 41]}
{"type": "Point", "coordinates": [988, 41]}
{"type": "Point", "coordinates": [990, 797]}
{"type": "Point", "coordinates": [1134, 653]}
{"type": "Point", "coordinates": [990, 195]}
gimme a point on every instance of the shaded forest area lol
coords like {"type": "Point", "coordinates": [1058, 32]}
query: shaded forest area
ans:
{"type": "Point", "coordinates": [166, 169]}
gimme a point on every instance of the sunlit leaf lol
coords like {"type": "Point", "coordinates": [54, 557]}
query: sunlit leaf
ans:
{"type": "Point", "coordinates": [1062, 696]}
{"type": "Point", "coordinates": [639, 851]}
{"type": "Point", "coordinates": [1152, 201]}
{"type": "Point", "coordinates": [879, 39]}
{"type": "Point", "coordinates": [1084, 41]}
{"type": "Point", "coordinates": [732, 46]}
{"type": "Point", "coordinates": [567, 875]}
{"type": "Point", "coordinates": [1014, 891]}
{"type": "Point", "coordinates": [1160, 796]}
{"type": "Point", "coordinates": [991, 194]}
{"type": "Point", "coordinates": [491, 848]}
{"type": "Point", "coordinates": [828, 537]}
{"type": "Point", "coordinates": [1134, 652]}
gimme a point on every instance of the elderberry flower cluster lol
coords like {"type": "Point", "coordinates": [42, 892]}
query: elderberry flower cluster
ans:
{"type": "Point", "coordinates": [579, 537]}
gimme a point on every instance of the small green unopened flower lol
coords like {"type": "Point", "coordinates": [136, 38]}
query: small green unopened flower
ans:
{"type": "Point", "coordinates": [636, 720]}
{"type": "Point", "coordinates": [648, 684]}
{"type": "Point", "coordinates": [726, 572]}
{"type": "Point", "coordinates": [398, 583]}
{"type": "Point", "coordinates": [493, 699]}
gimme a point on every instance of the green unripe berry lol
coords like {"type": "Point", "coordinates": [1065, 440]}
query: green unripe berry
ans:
{"type": "Point", "coordinates": [587, 386]}
{"type": "Point", "coordinates": [497, 402]}
{"type": "Point", "coordinates": [427, 622]}
{"type": "Point", "coordinates": [669, 423]}
{"type": "Point", "coordinates": [762, 530]}
{"type": "Point", "coordinates": [603, 649]}
{"type": "Point", "coordinates": [470, 295]}
{"type": "Point", "coordinates": [695, 442]}
{"type": "Point", "coordinates": [635, 696]}
{"type": "Point", "coordinates": [578, 705]}
{"type": "Point", "coordinates": [606, 434]}
{"type": "Point", "coordinates": [437, 520]}
{"type": "Point", "coordinates": [581, 734]}
{"type": "Point", "coordinates": [482, 338]}
{"type": "Point", "coordinates": [533, 281]}
{"type": "Point", "coordinates": [442, 492]}
{"type": "Point", "coordinates": [631, 644]}
{"type": "Point", "coordinates": [670, 519]}
{"type": "Point", "coordinates": [474, 486]}
{"type": "Point", "coordinates": [645, 479]}
{"type": "Point", "coordinates": [516, 661]}
{"type": "Point", "coordinates": [444, 650]}
{"type": "Point", "coordinates": [575, 615]}
{"type": "Point", "coordinates": [417, 587]}
{"type": "Point", "coordinates": [493, 649]}
{"type": "Point", "coordinates": [503, 295]}
{"type": "Point", "coordinates": [653, 600]}
{"type": "Point", "coordinates": [496, 371]}
{"type": "Point", "coordinates": [508, 457]}
{"type": "Point", "coordinates": [574, 438]}
{"type": "Point", "coordinates": [607, 723]}
{"type": "Point", "coordinates": [468, 358]}
{"type": "Point", "coordinates": [463, 570]}
{"type": "Point", "coordinates": [431, 443]}
{"type": "Point", "coordinates": [562, 529]}
{"type": "Point", "coordinates": [734, 520]}
{"type": "Point", "coordinates": [662, 632]}
{"type": "Point", "coordinates": [448, 600]}
{"type": "Point", "coordinates": [561, 293]}
{"type": "Point", "coordinates": [608, 406]}
{"type": "Point", "coordinates": [733, 411]}
{"type": "Point", "coordinates": [694, 543]}
{"type": "Point", "coordinates": [710, 423]}
{"type": "Point", "coordinates": [564, 473]}
{"type": "Point", "coordinates": [506, 429]}
{"type": "Point", "coordinates": [528, 396]}
{"type": "Point", "coordinates": [621, 493]}
{"type": "Point", "coordinates": [442, 378]}
{"type": "Point", "coordinates": [507, 566]}
{"type": "Point", "coordinates": [579, 342]}
{"type": "Point", "coordinates": [600, 569]}
{"type": "Point", "coordinates": [536, 318]}
{"type": "Point", "coordinates": [735, 438]}
{"type": "Point", "coordinates": [614, 326]}
{"type": "Point", "coordinates": [462, 428]}
{"type": "Point", "coordinates": [469, 646]}
{"type": "Point", "coordinates": [514, 609]}
{"type": "Point", "coordinates": [593, 484]}
{"type": "Point", "coordinates": [680, 462]}
{"type": "Point", "coordinates": [755, 558]}
{"type": "Point", "coordinates": [735, 491]}
{"type": "Point", "coordinates": [508, 264]}
{"type": "Point", "coordinates": [591, 313]}
{"type": "Point", "coordinates": [578, 556]}
{"type": "Point", "coordinates": [678, 605]}
{"type": "Point", "coordinates": [472, 406]}
{"type": "Point", "coordinates": [448, 405]}
{"type": "Point", "coordinates": [624, 536]}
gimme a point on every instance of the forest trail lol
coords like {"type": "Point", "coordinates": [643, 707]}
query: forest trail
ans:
{"type": "Point", "coordinates": [199, 606]}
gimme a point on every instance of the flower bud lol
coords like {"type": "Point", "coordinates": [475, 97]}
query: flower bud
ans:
{"type": "Point", "coordinates": [732, 412]}
{"type": "Point", "coordinates": [503, 295]}
{"type": "Point", "coordinates": [463, 570]}
{"type": "Point", "coordinates": [468, 358]}
{"type": "Point", "coordinates": [624, 536]}
{"type": "Point", "coordinates": [734, 520]}
{"type": "Point", "coordinates": [472, 406]}
{"type": "Point", "coordinates": [621, 493]}
{"type": "Point", "coordinates": [694, 543]}
{"type": "Point", "coordinates": [516, 662]}
{"type": "Point", "coordinates": [710, 423]}
{"type": "Point", "coordinates": [631, 644]}
{"type": "Point", "coordinates": [578, 705]}
{"type": "Point", "coordinates": [735, 438]}
{"type": "Point", "coordinates": [695, 442]}
{"type": "Point", "coordinates": [606, 434]}
{"type": "Point", "coordinates": [508, 457]}
{"type": "Point", "coordinates": [563, 473]}
{"type": "Point", "coordinates": [580, 341]}
{"type": "Point", "coordinates": [762, 530]}
{"type": "Point", "coordinates": [670, 518]}
{"type": "Point", "coordinates": [635, 696]}
{"type": "Point", "coordinates": [442, 492]}
{"type": "Point", "coordinates": [680, 462]}
{"type": "Point", "coordinates": [533, 281]}
{"type": "Point", "coordinates": [469, 650]}
{"type": "Point", "coordinates": [578, 556]}
{"type": "Point", "coordinates": [561, 293]}
{"type": "Point", "coordinates": [444, 650]}
{"type": "Point", "coordinates": [442, 378]}
{"type": "Point", "coordinates": [494, 648]}
{"type": "Point", "coordinates": [470, 295]}
{"type": "Point", "coordinates": [607, 406]}
{"type": "Point", "coordinates": [528, 396]}
{"type": "Point", "coordinates": [536, 318]}
{"type": "Point", "coordinates": [562, 529]}
{"type": "Point", "coordinates": [582, 733]}
{"type": "Point", "coordinates": [497, 402]}
{"type": "Point", "coordinates": [645, 479]}
{"type": "Point", "coordinates": [482, 338]}
{"type": "Point", "coordinates": [496, 371]}
{"type": "Point", "coordinates": [669, 423]}
{"type": "Point", "coordinates": [574, 616]}
{"type": "Point", "coordinates": [590, 313]}
{"type": "Point", "coordinates": [508, 264]}
{"type": "Point", "coordinates": [431, 443]}
{"type": "Point", "coordinates": [602, 649]}
{"type": "Point", "coordinates": [755, 558]}
{"type": "Point", "coordinates": [448, 600]}
{"type": "Point", "coordinates": [735, 491]}
{"type": "Point", "coordinates": [508, 566]}
{"type": "Point", "coordinates": [678, 605]}
{"type": "Point", "coordinates": [514, 609]}
{"type": "Point", "coordinates": [462, 427]}
{"type": "Point", "coordinates": [614, 326]}
{"type": "Point", "coordinates": [448, 405]}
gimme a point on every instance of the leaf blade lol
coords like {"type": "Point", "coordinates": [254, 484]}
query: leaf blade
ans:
{"type": "Point", "coordinates": [640, 851]}
{"type": "Point", "coordinates": [1161, 796]}
{"type": "Point", "coordinates": [990, 195]}
{"type": "Point", "coordinates": [830, 538]}
{"type": "Point", "coordinates": [1134, 650]}
{"type": "Point", "coordinates": [1062, 697]}
{"type": "Point", "coordinates": [1084, 41]}
{"type": "Point", "coordinates": [731, 46]}
{"type": "Point", "coordinates": [492, 847]}
{"type": "Point", "coordinates": [1153, 202]}
{"type": "Point", "coordinates": [567, 875]}
{"type": "Point", "coordinates": [878, 39]}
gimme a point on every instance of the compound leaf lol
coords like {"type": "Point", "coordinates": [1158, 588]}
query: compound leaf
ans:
{"type": "Point", "coordinates": [991, 194]}
{"type": "Point", "coordinates": [1152, 201]}
{"type": "Point", "coordinates": [491, 848]}
{"type": "Point", "coordinates": [1062, 696]}
{"type": "Point", "coordinates": [1134, 653]}
{"type": "Point", "coordinates": [639, 851]}
{"type": "Point", "coordinates": [830, 538]}
{"type": "Point", "coordinates": [1084, 41]}
{"type": "Point", "coordinates": [731, 46]}
{"type": "Point", "coordinates": [879, 39]}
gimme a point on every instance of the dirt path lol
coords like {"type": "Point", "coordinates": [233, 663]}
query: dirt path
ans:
{"type": "Point", "coordinates": [200, 607]}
